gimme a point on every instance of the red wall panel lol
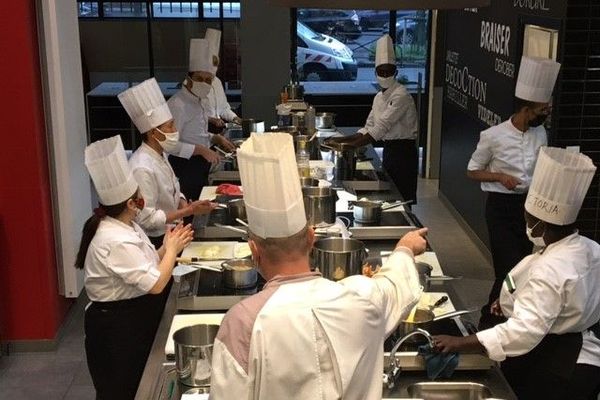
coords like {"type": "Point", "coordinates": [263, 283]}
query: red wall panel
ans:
{"type": "Point", "coordinates": [30, 306]}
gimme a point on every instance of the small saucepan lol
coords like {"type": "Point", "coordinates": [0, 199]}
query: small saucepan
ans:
{"type": "Point", "coordinates": [425, 277]}
{"type": "Point", "coordinates": [369, 211]}
{"type": "Point", "coordinates": [425, 319]}
{"type": "Point", "coordinates": [239, 273]}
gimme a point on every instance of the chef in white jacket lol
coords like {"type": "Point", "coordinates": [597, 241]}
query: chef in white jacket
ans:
{"type": "Point", "coordinates": [551, 298]}
{"type": "Point", "coordinates": [192, 159]}
{"type": "Point", "coordinates": [504, 161]}
{"type": "Point", "coordinates": [394, 121]}
{"type": "Point", "coordinates": [123, 273]}
{"type": "Point", "coordinates": [304, 336]}
{"type": "Point", "coordinates": [164, 203]}
{"type": "Point", "coordinates": [219, 110]}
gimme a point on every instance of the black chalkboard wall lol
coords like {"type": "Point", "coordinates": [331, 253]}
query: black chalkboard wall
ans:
{"type": "Point", "coordinates": [482, 56]}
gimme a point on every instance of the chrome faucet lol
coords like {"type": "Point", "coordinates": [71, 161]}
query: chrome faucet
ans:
{"type": "Point", "coordinates": [389, 377]}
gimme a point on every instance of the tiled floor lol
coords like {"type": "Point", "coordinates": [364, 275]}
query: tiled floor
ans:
{"type": "Point", "coordinates": [63, 374]}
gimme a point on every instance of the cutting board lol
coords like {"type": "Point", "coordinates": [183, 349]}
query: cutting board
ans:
{"type": "Point", "coordinates": [183, 320]}
{"type": "Point", "coordinates": [429, 298]}
{"type": "Point", "coordinates": [210, 250]}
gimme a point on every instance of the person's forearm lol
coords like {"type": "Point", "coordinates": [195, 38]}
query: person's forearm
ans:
{"type": "Point", "coordinates": [361, 139]}
{"type": "Point", "coordinates": [470, 344]}
{"type": "Point", "coordinates": [200, 150]}
{"type": "Point", "coordinates": [178, 214]}
{"type": "Point", "coordinates": [165, 268]}
{"type": "Point", "coordinates": [484, 176]}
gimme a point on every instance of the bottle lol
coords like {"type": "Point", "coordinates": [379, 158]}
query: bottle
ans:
{"type": "Point", "coordinates": [302, 159]}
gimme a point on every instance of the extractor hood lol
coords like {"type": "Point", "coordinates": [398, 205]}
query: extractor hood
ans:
{"type": "Point", "coordinates": [382, 4]}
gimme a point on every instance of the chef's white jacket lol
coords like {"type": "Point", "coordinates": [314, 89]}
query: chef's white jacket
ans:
{"type": "Point", "coordinates": [393, 115]}
{"type": "Point", "coordinates": [159, 187]}
{"type": "Point", "coordinates": [503, 148]}
{"type": "Point", "coordinates": [306, 337]}
{"type": "Point", "coordinates": [218, 107]}
{"type": "Point", "coordinates": [120, 263]}
{"type": "Point", "coordinates": [556, 291]}
{"type": "Point", "coordinates": [191, 118]}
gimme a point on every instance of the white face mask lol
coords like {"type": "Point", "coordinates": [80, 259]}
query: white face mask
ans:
{"type": "Point", "coordinates": [386, 82]}
{"type": "Point", "coordinates": [171, 139]}
{"type": "Point", "coordinates": [199, 89]}
{"type": "Point", "coordinates": [538, 240]}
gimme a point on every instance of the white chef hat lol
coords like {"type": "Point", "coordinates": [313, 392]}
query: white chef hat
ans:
{"type": "Point", "coordinates": [106, 162]}
{"type": "Point", "coordinates": [146, 105]}
{"type": "Point", "coordinates": [272, 193]}
{"type": "Point", "coordinates": [200, 56]}
{"type": "Point", "coordinates": [384, 53]}
{"type": "Point", "coordinates": [536, 79]}
{"type": "Point", "coordinates": [559, 184]}
{"type": "Point", "coordinates": [214, 41]}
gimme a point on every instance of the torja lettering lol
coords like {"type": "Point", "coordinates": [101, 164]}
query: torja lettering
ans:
{"type": "Point", "coordinates": [546, 206]}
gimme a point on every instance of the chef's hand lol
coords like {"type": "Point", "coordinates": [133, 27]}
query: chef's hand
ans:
{"type": "Point", "coordinates": [201, 207]}
{"type": "Point", "coordinates": [224, 143]}
{"type": "Point", "coordinates": [211, 156]}
{"type": "Point", "coordinates": [495, 309]}
{"type": "Point", "coordinates": [217, 122]}
{"type": "Point", "coordinates": [508, 181]}
{"type": "Point", "coordinates": [448, 344]}
{"type": "Point", "coordinates": [178, 237]}
{"type": "Point", "coordinates": [414, 240]}
{"type": "Point", "coordinates": [457, 344]}
{"type": "Point", "coordinates": [237, 120]}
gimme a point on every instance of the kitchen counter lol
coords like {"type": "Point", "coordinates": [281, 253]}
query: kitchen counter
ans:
{"type": "Point", "coordinates": [159, 380]}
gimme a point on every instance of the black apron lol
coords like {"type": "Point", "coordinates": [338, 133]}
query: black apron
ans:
{"type": "Point", "coordinates": [401, 162]}
{"type": "Point", "coordinates": [505, 217]}
{"type": "Point", "coordinates": [192, 174]}
{"type": "Point", "coordinates": [544, 372]}
{"type": "Point", "coordinates": [118, 339]}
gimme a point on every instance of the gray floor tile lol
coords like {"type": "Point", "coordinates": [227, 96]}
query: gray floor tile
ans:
{"type": "Point", "coordinates": [80, 392]}
{"type": "Point", "coordinates": [34, 391]}
{"type": "Point", "coordinates": [44, 372]}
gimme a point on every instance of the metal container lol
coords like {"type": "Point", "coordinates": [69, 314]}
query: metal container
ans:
{"type": "Point", "coordinates": [338, 258]}
{"type": "Point", "coordinates": [291, 129]}
{"type": "Point", "coordinates": [366, 212]}
{"type": "Point", "coordinates": [236, 209]}
{"type": "Point", "coordinates": [425, 277]}
{"type": "Point", "coordinates": [343, 156]}
{"type": "Point", "coordinates": [311, 182]}
{"type": "Point", "coordinates": [294, 91]}
{"type": "Point", "coordinates": [325, 120]}
{"type": "Point", "coordinates": [193, 354]}
{"type": "Point", "coordinates": [252, 125]}
{"type": "Point", "coordinates": [319, 205]}
{"type": "Point", "coordinates": [299, 121]}
{"type": "Point", "coordinates": [239, 273]}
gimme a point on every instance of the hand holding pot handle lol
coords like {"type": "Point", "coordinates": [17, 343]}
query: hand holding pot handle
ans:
{"type": "Point", "coordinates": [415, 241]}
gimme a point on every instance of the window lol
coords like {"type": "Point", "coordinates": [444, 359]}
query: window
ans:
{"type": "Point", "coordinates": [172, 9]}
{"type": "Point", "coordinates": [337, 48]}
{"type": "Point", "coordinates": [87, 9]}
{"type": "Point", "coordinates": [211, 10]}
{"type": "Point", "coordinates": [124, 9]}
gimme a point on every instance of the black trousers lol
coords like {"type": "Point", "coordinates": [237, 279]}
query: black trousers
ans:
{"type": "Point", "coordinates": [118, 339]}
{"type": "Point", "coordinates": [504, 214]}
{"type": "Point", "coordinates": [544, 372]}
{"type": "Point", "coordinates": [585, 383]}
{"type": "Point", "coordinates": [192, 174]}
{"type": "Point", "coordinates": [401, 162]}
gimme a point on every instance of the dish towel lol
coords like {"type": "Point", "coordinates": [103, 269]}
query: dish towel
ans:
{"type": "Point", "coordinates": [438, 365]}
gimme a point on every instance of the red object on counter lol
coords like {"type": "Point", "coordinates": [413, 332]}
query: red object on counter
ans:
{"type": "Point", "coordinates": [229, 190]}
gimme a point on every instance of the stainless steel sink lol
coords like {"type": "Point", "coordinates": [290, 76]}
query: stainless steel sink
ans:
{"type": "Point", "coordinates": [448, 391]}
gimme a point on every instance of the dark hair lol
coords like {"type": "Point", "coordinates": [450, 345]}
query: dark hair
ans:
{"type": "Point", "coordinates": [521, 104]}
{"type": "Point", "coordinates": [91, 226]}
